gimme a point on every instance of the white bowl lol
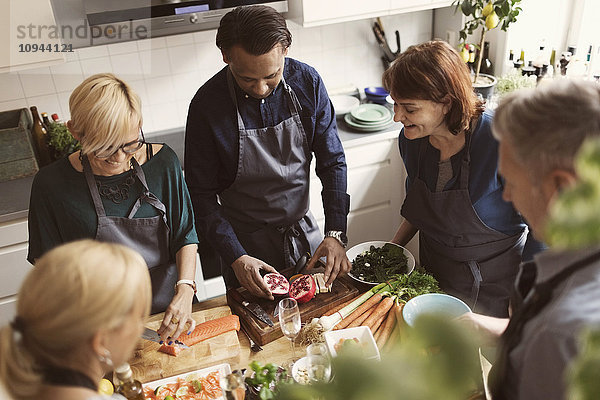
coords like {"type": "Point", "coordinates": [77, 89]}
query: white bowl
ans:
{"type": "Point", "coordinates": [360, 248]}
{"type": "Point", "coordinates": [301, 365]}
{"type": "Point", "coordinates": [342, 104]}
{"type": "Point", "coordinates": [361, 333]}
{"type": "Point", "coordinates": [433, 303]}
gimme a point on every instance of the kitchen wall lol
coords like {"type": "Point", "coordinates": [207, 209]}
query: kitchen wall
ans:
{"type": "Point", "coordinates": [167, 71]}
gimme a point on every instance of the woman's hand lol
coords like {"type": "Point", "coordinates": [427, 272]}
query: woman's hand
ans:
{"type": "Point", "coordinates": [337, 261]}
{"type": "Point", "coordinates": [178, 316]}
{"type": "Point", "coordinates": [487, 328]}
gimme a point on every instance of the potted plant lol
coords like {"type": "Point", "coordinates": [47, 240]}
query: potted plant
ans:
{"type": "Point", "coordinates": [487, 15]}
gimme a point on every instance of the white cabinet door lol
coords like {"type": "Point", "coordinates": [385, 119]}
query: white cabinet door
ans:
{"type": "Point", "coordinates": [320, 12]}
{"type": "Point", "coordinates": [29, 35]}
{"type": "Point", "coordinates": [13, 265]}
{"type": "Point", "coordinates": [401, 6]}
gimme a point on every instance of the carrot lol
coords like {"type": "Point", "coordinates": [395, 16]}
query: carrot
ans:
{"type": "Point", "coordinates": [375, 327]}
{"type": "Point", "coordinates": [339, 307]}
{"type": "Point", "coordinates": [380, 312]}
{"type": "Point", "coordinates": [358, 321]}
{"type": "Point", "coordinates": [376, 298]}
{"type": "Point", "coordinates": [397, 331]}
{"type": "Point", "coordinates": [209, 329]}
{"type": "Point", "coordinates": [386, 329]}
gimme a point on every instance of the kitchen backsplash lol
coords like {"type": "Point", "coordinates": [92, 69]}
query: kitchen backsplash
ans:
{"type": "Point", "coordinates": [166, 72]}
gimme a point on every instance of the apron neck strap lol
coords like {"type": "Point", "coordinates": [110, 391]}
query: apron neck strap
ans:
{"type": "Point", "coordinates": [294, 104]}
{"type": "Point", "coordinates": [91, 182]}
{"type": "Point", "coordinates": [146, 195]}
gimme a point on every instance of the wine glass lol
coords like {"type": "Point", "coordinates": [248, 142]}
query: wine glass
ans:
{"type": "Point", "coordinates": [289, 320]}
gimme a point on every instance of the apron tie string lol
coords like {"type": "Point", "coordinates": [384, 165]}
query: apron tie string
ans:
{"type": "Point", "coordinates": [290, 247]}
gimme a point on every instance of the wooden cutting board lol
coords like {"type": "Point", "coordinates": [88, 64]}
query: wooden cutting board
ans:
{"type": "Point", "coordinates": [342, 290]}
{"type": "Point", "coordinates": [149, 364]}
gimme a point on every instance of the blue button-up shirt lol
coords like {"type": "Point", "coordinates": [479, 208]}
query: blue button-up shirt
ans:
{"type": "Point", "coordinates": [212, 139]}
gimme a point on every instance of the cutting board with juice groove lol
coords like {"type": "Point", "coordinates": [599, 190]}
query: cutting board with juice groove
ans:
{"type": "Point", "coordinates": [342, 290]}
{"type": "Point", "coordinates": [149, 364]}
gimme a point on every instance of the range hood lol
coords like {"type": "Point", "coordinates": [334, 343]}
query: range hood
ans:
{"type": "Point", "coordinates": [84, 23]}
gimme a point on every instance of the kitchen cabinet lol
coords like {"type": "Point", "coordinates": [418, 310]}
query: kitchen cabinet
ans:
{"type": "Point", "coordinates": [25, 28]}
{"type": "Point", "coordinates": [376, 178]}
{"type": "Point", "coordinates": [317, 12]}
{"type": "Point", "coordinates": [13, 265]}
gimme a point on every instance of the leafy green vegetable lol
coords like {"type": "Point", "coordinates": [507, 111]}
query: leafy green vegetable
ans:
{"type": "Point", "coordinates": [405, 287]}
{"type": "Point", "coordinates": [61, 140]}
{"type": "Point", "coordinates": [378, 264]}
{"type": "Point", "coordinates": [583, 373]}
{"type": "Point", "coordinates": [266, 378]}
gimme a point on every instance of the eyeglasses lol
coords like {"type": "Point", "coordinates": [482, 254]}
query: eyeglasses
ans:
{"type": "Point", "coordinates": [128, 148]}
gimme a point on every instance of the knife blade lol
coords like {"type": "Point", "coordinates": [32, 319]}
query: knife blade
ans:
{"type": "Point", "coordinates": [254, 308]}
{"type": "Point", "coordinates": [258, 312]}
{"type": "Point", "coordinates": [150, 334]}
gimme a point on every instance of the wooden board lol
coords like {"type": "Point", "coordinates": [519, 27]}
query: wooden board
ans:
{"type": "Point", "coordinates": [342, 290]}
{"type": "Point", "coordinates": [149, 364]}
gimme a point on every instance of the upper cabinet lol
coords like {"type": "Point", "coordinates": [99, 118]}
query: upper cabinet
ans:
{"type": "Point", "coordinates": [29, 35]}
{"type": "Point", "coordinates": [318, 12]}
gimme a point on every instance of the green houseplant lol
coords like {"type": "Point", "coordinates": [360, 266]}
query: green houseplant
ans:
{"type": "Point", "coordinates": [486, 15]}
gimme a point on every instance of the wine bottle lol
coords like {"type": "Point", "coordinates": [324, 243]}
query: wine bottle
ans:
{"type": "Point", "coordinates": [486, 64]}
{"type": "Point", "coordinates": [45, 120]}
{"type": "Point", "coordinates": [40, 135]}
{"type": "Point", "coordinates": [129, 388]}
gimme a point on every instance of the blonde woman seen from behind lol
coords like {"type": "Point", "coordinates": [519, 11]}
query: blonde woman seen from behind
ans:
{"type": "Point", "coordinates": [80, 312]}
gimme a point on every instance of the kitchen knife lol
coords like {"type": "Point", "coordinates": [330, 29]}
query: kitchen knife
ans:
{"type": "Point", "coordinates": [150, 334]}
{"type": "Point", "coordinates": [254, 308]}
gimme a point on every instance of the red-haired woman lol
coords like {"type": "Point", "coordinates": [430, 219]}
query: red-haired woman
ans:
{"type": "Point", "coordinates": [470, 239]}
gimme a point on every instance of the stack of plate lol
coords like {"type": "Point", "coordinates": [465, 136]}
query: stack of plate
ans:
{"type": "Point", "coordinates": [369, 118]}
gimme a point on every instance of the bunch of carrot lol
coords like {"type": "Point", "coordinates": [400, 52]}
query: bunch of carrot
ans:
{"type": "Point", "coordinates": [379, 313]}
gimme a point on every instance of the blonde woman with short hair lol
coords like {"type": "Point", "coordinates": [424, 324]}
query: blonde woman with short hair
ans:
{"type": "Point", "coordinates": [120, 188]}
{"type": "Point", "coordinates": [80, 313]}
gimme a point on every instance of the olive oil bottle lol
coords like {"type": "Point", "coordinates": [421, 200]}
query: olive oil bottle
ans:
{"type": "Point", "coordinates": [128, 387]}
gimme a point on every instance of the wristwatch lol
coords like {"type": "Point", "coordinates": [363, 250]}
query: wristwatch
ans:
{"type": "Point", "coordinates": [186, 282]}
{"type": "Point", "coordinates": [340, 236]}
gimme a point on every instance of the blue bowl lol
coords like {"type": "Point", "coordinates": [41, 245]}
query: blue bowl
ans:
{"type": "Point", "coordinates": [376, 91]}
{"type": "Point", "coordinates": [433, 303]}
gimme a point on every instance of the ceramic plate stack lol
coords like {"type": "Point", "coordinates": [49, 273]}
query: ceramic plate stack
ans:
{"type": "Point", "coordinates": [369, 118]}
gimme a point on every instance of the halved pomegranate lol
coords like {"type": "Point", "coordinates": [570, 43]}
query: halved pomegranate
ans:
{"type": "Point", "coordinates": [277, 283]}
{"type": "Point", "coordinates": [303, 289]}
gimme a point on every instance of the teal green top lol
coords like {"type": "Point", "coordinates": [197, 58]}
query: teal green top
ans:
{"type": "Point", "coordinates": [61, 208]}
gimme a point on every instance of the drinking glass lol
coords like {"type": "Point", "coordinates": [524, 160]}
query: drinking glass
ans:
{"type": "Point", "coordinates": [289, 320]}
{"type": "Point", "coordinates": [319, 368]}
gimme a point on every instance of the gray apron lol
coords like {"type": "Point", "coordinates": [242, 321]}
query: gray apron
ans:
{"type": "Point", "coordinates": [148, 236]}
{"type": "Point", "coordinates": [469, 259]}
{"type": "Point", "coordinates": [268, 203]}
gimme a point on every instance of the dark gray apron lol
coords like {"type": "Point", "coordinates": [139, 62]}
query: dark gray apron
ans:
{"type": "Point", "coordinates": [530, 300]}
{"type": "Point", "coordinates": [149, 236]}
{"type": "Point", "coordinates": [268, 203]}
{"type": "Point", "coordinates": [469, 259]}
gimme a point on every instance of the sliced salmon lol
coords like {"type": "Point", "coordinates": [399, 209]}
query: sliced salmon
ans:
{"type": "Point", "coordinates": [203, 331]}
{"type": "Point", "coordinates": [209, 329]}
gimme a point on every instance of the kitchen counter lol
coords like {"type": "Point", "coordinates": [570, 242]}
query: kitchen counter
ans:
{"type": "Point", "coordinates": [14, 201]}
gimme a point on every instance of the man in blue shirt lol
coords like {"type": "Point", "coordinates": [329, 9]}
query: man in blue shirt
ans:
{"type": "Point", "coordinates": [251, 133]}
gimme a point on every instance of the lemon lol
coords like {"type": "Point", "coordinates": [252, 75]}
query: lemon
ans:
{"type": "Point", "coordinates": [489, 7]}
{"type": "Point", "coordinates": [491, 21]}
{"type": "Point", "coordinates": [106, 387]}
{"type": "Point", "coordinates": [464, 53]}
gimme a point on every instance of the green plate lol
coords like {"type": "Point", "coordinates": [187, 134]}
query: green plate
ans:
{"type": "Point", "coordinates": [370, 113]}
{"type": "Point", "coordinates": [366, 127]}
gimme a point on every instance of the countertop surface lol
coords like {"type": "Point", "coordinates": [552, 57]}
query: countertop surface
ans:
{"type": "Point", "coordinates": [14, 195]}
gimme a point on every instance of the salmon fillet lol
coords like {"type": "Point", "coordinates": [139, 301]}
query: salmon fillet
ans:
{"type": "Point", "coordinates": [209, 329]}
{"type": "Point", "coordinates": [203, 331]}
